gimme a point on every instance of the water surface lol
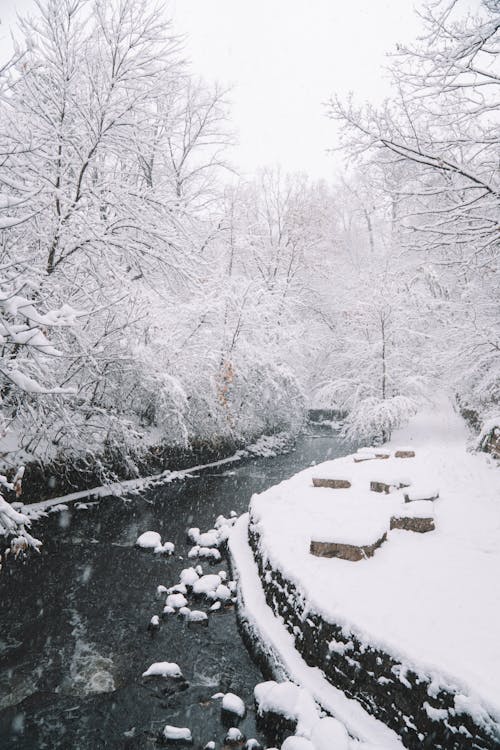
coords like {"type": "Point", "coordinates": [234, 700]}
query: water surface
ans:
{"type": "Point", "coordinates": [73, 622]}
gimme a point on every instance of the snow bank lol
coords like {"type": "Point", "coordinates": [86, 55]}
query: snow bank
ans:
{"type": "Point", "coordinates": [279, 645]}
{"type": "Point", "coordinates": [431, 600]}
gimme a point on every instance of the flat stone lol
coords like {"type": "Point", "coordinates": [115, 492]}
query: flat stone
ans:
{"type": "Point", "coordinates": [377, 456]}
{"type": "Point", "coordinates": [387, 487]}
{"type": "Point", "coordinates": [334, 484]}
{"type": "Point", "coordinates": [404, 454]}
{"type": "Point", "coordinates": [415, 495]}
{"type": "Point", "coordinates": [412, 523]}
{"type": "Point", "coordinates": [345, 551]}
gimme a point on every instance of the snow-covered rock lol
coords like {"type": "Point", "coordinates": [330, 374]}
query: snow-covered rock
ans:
{"type": "Point", "coordinates": [149, 540]}
{"type": "Point", "coordinates": [233, 704]}
{"type": "Point", "coordinates": [215, 607]}
{"type": "Point", "coordinates": [176, 601]}
{"type": "Point", "coordinates": [234, 736]}
{"type": "Point", "coordinates": [177, 734]}
{"type": "Point", "coordinates": [288, 700]}
{"type": "Point", "coordinates": [222, 521]}
{"type": "Point", "coordinates": [154, 622]}
{"type": "Point", "coordinates": [208, 553]}
{"type": "Point", "coordinates": [253, 744]}
{"type": "Point", "coordinates": [163, 669]}
{"type": "Point", "coordinates": [222, 593]}
{"type": "Point", "coordinates": [160, 590]}
{"type": "Point", "coordinates": [179, 588]}
{"type": "Point", "coordinates": [209, 538]}
{"type": "Point", "coordinates": [196, 615]}
{"type": "Point", "coordinates": [168, 548]}
{"type": "Point", "coordinates": [188, 577]}
{"type": "Point", "coordinates": [167, 610]}
{"type": "Point", "coordinates": [206, 584]}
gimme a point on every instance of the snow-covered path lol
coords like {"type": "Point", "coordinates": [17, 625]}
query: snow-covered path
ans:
{"type": "Point", "coordinates": [430, 600]}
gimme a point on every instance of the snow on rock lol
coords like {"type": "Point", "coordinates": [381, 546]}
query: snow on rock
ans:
{"type": "Point", "coordinates": [194, 534]}
{"type": "Point", "coordinates": [179, 588]}
{"type": "Point", "coordinates": [176, 734]}
{"type": "Point", "coordinates": [149, 540]}
{"type": "Point", "coordinates": [167, 610]}
{"type": "Point", "coordinates": [197, 615]}
{"type": "Point", "coordinates": [160, 590]}
{"type": "Point", "coordinates": [233, 704]}
{"type": "Point", "coordinates": [188, 577]}
{"type": "Point", "coordinates": [329, 734]}
{"type": "Point", "coordinates": [163, 669]}
{"type": "Point", "coordinates": [234, 736]}
{"type": "Point", "coordinates": [206, 584]}
{"type": "Point", "coordinates": [168, 548]}
{"type": "Point", "coordinates": [184, 611]}
{"type": "Point", "coordinates": [288, 700]}
{"type": "Point", "coordinates": [154, 622]}
{"type": "Point", "coordinates": [222, 521]}
{"type": "Point", "coordinates": [209, 746]}
{"type": "Point", "coordinates": [209, 538]}
{"type": "Point", "coordinates": [419, 492]}
{"type": "Point", "coordinates": [349, 529]}
{"type": "Point", "coordinates": [176, 601]}
{"type": "Point", "coordinates": [209, 553]}
{"type": "Point", "coordinates": [222, 593]}
{"type": "Point", "coordinates": [215, 606]}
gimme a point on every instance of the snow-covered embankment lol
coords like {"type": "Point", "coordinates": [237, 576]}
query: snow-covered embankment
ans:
{"type": "Point", "coordinates": [408, 636]}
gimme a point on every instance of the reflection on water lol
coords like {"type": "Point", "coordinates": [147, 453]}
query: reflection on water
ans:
{"type": "Point", "coordinates": [73, 622]}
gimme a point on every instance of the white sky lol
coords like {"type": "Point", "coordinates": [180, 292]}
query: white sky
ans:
{"type": "Point", "coordinates": [283, 58]}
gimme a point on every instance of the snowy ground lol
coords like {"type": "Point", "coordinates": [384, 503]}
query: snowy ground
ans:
{"type": "Point", "coordinates": [431, 600]}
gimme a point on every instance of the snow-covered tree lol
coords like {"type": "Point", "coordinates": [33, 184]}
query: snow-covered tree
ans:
{"type": "Point", "coordinates": [437, 141]}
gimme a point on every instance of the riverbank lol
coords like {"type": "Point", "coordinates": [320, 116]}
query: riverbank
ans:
{"type": "Point", "coordinates": [411, 632]}
{"type": "Point", "coordinates": [82, 608]}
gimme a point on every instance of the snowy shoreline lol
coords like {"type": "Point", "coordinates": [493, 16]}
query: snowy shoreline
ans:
{"type": "Point", "coordinates": [265, 446]}
{"type": "Point", "coordinates": [444, 582]}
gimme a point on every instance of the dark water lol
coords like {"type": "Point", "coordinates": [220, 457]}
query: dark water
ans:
{"type": "Point", "coordinates": [73, 622]}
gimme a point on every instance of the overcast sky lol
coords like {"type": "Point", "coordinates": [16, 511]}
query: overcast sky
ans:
{"type": "Point", "coordinates": [284, 58]}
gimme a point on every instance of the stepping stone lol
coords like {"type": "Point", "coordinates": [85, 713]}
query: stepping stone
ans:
{"type": "Point", "coordinates": [425, 494]}
{"type": "Point", "coordinates": [418, 516]}
{"type": "Point", "coordinates": [410, 523]}
{"type": "Point", "coordinates": [353, 538]}
{"type": "Point", "coordinates": [351, 552]}
{"type": "Point", "coordinates": [404, 453]}
{"type": "Point", "coordinates": [370, 457]}
{"type": "Point", "coordinates": [370, 454]}
{"type": "Point", "coordinates": [334, 484]}
{"type": "Point", "coordinates": [390, 486]}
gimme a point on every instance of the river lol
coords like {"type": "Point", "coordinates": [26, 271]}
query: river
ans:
{"type": "Point", "coordinates": [73, 622]}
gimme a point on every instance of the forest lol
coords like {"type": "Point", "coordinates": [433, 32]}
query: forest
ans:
{"type": "Point", "coordinates": [151, 300]}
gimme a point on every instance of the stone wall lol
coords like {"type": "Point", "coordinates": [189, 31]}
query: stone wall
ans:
{"type": "Point", "coordinates": [424, 716]}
